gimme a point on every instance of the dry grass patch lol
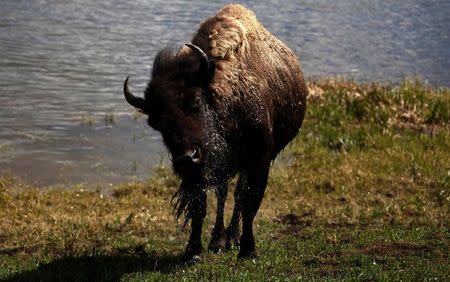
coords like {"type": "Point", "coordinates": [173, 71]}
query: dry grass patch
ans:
{"type": "Point", "coordinates": [362, 193]}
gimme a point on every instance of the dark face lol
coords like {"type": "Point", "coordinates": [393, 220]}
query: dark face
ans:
{"type": "Point", "coordinates": [176, 105]}
{"type": "Point", "coordinates": [179, 113]}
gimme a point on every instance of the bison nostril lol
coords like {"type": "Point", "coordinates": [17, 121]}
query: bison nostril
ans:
{"type": "Point", "coordinates": [195, 155]}
{"type": "Point", "coordinates": [192, 156]}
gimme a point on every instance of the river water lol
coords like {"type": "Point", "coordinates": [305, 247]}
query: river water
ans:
{"type": "Point", "coordinates": [63, 118]}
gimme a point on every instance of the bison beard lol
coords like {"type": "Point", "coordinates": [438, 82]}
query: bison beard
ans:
{"type": "Point", "coordinates": [226, 104]}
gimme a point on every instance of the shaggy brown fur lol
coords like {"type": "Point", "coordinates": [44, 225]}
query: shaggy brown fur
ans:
{"type": "Point", "coordinates": [250, 61]}
{"type": "Point", "coordinates": [226, 105]}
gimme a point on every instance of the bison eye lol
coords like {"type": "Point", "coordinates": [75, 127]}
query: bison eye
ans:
{"type": "Point", "coordinates": [192, 105]}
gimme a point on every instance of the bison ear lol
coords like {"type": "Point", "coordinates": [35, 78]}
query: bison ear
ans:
{"type": "Point", "coordinates": [207, 66]}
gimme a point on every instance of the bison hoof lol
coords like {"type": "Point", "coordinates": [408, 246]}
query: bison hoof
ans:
{"type": "Point", "coordinates": [247, 248]}
{"type": "Point", "coordinates": [192, 254]}
{"type": "Point", "coordinates": [218, 242]}
{"type": "Point", "coordinates": [217, 246]}
{"type": "Point", "coordinates": [216, 249]}
{"type": "Point", "coordinates": [232, 241]}
{"type": "Point", "coordinates": [191, 259]}
{"type": "Point", "coordinates": [247, 254]}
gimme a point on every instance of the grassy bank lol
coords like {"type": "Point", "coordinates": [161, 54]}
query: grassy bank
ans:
{"type": "Point", "coordinates": [363, 193]}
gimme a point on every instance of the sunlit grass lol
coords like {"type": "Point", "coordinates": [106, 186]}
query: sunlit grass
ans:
{"type": "Point", "coordinates": [363, 193]}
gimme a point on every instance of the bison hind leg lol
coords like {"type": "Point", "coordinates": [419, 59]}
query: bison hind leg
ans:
{"type": "Point", "coordinates": [252, 196]}
{"type": "Point", "coordinates": [232, 233]}
{"type": "Point", "coordinates": [223, 239]}
{"type": "Point", "coordinates": [234, 226]}
{"type": "Point", "coordinates": [218, 235]}
{"type": "Point", "coordinates": [218, 241]}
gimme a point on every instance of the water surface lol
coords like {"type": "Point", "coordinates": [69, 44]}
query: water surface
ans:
{"type": "Point", "coordinates": [62, 65]}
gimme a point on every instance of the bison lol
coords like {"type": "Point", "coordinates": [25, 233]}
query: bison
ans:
{"type": "Point", "coordinates": [226, 104]}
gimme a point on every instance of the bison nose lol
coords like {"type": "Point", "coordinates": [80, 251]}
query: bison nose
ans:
{"type": "Point", "coordinates": [190, 157]}
{"type": "Point", "coordinates": [195, 155]}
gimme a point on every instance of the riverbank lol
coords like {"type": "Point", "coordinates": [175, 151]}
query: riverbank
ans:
{"type": "Point", "coordinates": [362, 193]}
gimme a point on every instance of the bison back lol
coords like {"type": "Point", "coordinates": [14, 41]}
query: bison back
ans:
{"type": "Point", "coordinates": [256, 71]}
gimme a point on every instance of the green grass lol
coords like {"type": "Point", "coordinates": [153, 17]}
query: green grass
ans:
{"type": "Point", "coordinates": [363, 193]}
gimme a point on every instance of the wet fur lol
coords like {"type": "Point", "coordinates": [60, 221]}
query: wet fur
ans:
{"type": "Point", "coordinates": [253, 68]}
{"type": "Point", "coordinates": [251, 107]}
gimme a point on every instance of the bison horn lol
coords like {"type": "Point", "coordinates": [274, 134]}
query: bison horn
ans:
{"type": "Point", "coordinates": [136, 102]}
{"type": "Point", "coordinates": [205, 61]}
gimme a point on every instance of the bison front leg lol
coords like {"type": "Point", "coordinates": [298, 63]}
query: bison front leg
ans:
{"type": "Point", "coordinates": [196, 212]}
{"type": "Point", "coordinates": [218, 235]}
{"type": "Point", "coordinates": [250, 200]}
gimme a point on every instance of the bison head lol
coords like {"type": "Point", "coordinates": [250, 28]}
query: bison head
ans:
{"type": "Point", "coordinates": [177, 102]}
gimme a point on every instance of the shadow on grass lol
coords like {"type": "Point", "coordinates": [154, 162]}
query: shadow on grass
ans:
{"type": "Point", "coordinates": [99, 268]}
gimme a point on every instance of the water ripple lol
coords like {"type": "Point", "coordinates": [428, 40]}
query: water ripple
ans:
{"type": "Point", "coordinates": [62, 60]}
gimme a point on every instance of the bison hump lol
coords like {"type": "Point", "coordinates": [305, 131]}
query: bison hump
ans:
{"type": "Point", "coordinates": [226, 35]}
